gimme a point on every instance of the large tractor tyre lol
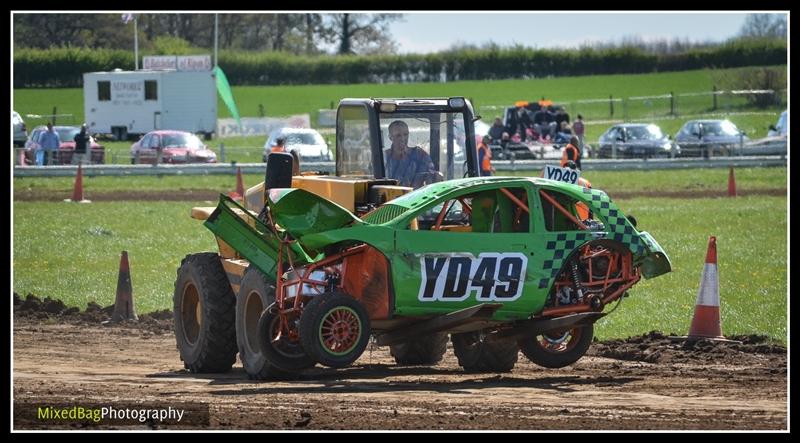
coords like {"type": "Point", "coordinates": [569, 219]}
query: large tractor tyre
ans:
{"type": "Point", "coordinates": [204, 312]}
{"type": "Point", "coordinates": [334, 329]}
{"type": "Point", "coordinates": [256, 293]}
{"type": "Point", "coordinates": [475, 354]}
{"type": "Point", "coordinates": [427, 350]}
{"type": "Point", "coordinates": [558, 349]}
{"type": "Point", "coordinates": [282, 357]}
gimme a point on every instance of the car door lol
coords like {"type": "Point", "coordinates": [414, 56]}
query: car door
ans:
{"type": "Point", "coordinates": [559, 233]}
{"type": "Point", "coordinates": [477, 251]}
{"type": "Point", "coordinates": [148, 151]}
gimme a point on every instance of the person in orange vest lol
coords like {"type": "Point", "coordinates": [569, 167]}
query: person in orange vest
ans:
{"type": "Point", "coordinates": [571, 153]}
{"type": "Point", "coordinates": [485, 156]}
{"type": "Point", "coordinates": [583, 211]}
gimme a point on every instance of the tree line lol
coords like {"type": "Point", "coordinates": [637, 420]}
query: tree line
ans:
{"type": "Point", "coordinates": [307, 34]}
{"type": "Point", "coordinates": [64, 67]}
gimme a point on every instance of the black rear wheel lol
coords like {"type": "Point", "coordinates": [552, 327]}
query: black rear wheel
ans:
{"type": "Point", "coordinates": [281, 349]}
{"type": "Point", "coordinates": [476, 354]}
{"type": "Point", "coordinates": [204, 314]}
{"type": "Point", "coordinates": [559, 348]}
{"type": "Point", "coordinates": [427, 350]}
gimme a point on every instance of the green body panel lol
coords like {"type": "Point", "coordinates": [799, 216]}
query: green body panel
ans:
{"type": "Point", "coordinates": [301, 212]}
{"type": "Point", "coordinates": [414, 247]}
{"type": "Point", "coordinates": [437, 272]}
{"type": "Point", "coordinates": [257, 244]}
{"type": "Point", "coordinates": [657, 262]}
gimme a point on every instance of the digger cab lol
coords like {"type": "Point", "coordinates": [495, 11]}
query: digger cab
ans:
{"type": "Point", "coordinates": [442, 127]}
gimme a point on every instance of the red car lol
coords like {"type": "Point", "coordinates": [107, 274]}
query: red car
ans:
{"type": "Point", "coordinates": [66, 138]}
{"type": "Point", "coordinates": [173, 146]}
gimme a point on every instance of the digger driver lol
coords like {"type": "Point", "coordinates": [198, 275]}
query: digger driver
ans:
{"type": "Point", "coordinates": [411, 166]}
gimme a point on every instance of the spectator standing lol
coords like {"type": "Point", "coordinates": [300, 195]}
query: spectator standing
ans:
{"type": "Point", "coordinates": [571, 153]}
{"type": "Point", "coordinates": [82, 146]}
{"type": "Point", "coordinates": [583, 211]}
{"type": "Point", "coordinates": [485, 156]}
{"type": "Point", "coordinates": [49, 143]}
{"type": "Point", "coordinates": [578, 129]}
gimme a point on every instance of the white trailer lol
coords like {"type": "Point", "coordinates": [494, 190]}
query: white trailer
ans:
{"type": "Point", "coordinates": [131, 103]}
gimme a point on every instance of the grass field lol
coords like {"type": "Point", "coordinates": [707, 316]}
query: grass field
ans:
{"type": "Point", "coordinates": [71, 252]}
{"type": "Point", "coordinates": [610, 181]}
{"type": "Point", "coordinates": [486, 95]}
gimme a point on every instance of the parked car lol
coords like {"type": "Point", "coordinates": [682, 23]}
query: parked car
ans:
{"type": "Point", "coordinates": [20, 131]}
{"type": "Point", "coordinates": [66, 137]}
{"type": "Point", "coordinates": [173, 146]}
{"type": "Point", "coordinates": [308, 143]}
{"type": "Point", "coordinates": [635, 140]}
{"type": "Point", "coordinates": [781, 127]}
{"type": "Point", "coordinates": [709, 137]}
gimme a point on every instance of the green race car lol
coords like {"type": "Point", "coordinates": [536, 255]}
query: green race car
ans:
{"type": "Point", "coordinates": [501, 264]}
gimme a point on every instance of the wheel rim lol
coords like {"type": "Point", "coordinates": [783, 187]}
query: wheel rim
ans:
{"type": "Point", "coordinates": [340, 330]}
{"type": "Point", "coordinates": [252, 312]}
{"type": "Point", "coordinates": [559, 342]}
{"type": "Point", "coordinates": [191, 313]}
{"type": "Point", "coordinates": [286, 346]}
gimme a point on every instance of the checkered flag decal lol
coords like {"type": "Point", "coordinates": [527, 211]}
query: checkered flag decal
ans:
{"type": "Point", "coordinates": [617, 226]}
{"type": "Point", "coordinates": [560, 247]}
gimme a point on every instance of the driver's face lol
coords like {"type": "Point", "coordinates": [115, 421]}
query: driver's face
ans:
{"type": "Point", "coordinates": [399, 136]}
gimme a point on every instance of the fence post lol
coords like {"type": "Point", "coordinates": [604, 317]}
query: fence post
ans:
{"type": "Point", "coordinates": [741, 142]}
{"type": "Point", "coordinates": [624, 110]}
{"type": "Point", "coordinates": [55, 111]}
{"type": "Point", "coordinates": [614, 149]}
{"type": "Point", "coordinates": [714, 96]}
{"type": "Point", "coordinates": [260, 110]}
{"type": "Point", "coordinates": [611, 105]}
{"type": "Point", "coordinates": [671, 103]}
{"type": "Point", "coordinates": [222, 152]}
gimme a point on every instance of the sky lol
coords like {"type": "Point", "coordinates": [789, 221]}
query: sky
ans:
{"type": "Point", "coordinates": [425, 32]}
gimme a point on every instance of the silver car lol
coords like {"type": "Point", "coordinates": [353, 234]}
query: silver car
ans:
{"type": "Point", "coordinates": [635, 140]}
{"type": "Point", "coordinates": [710, 137]}
{"type": "Point", "coordinates": [20, 131]}
{"type": "Point", "coordinates": [308, 143]}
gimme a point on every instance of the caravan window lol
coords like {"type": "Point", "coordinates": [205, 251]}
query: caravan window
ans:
{"type": "Point", "coordinates": [104, 91]}
{"type": "Point", "coordinates": [150, 90]}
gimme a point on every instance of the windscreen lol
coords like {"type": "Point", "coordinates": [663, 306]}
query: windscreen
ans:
{"type": "Point", "coordinates": [422, 148]}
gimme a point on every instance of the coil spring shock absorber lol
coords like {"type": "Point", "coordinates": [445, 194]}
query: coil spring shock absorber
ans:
{"type": "Point", "coordinates": [576, 279]}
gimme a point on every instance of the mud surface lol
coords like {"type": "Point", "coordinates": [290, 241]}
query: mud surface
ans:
{"type": "Point", "coordinates": [64, 358]}
{"type": "Point", "coordinates": [213, 196]}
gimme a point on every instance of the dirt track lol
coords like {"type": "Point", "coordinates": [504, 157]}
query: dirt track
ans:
{"type": "Point", "coordinates": [645, 382]}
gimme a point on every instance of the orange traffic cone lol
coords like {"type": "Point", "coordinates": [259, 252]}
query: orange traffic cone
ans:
{"type": "Point", "coordinates": [731, 184]}
{"type": "Point", "coordinates": [706, 322]}
{"type": "Point", "coordinates": [123, 305]}
{"type": "Point", "coordinates": [239, 183]}
{"type": "Point", "coordinates": [77, 190]}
